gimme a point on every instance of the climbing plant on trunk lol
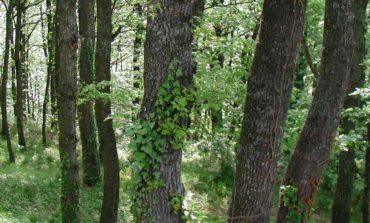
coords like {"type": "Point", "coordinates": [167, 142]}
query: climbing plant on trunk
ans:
{"type": "Point", "coordinates": [164, 115]}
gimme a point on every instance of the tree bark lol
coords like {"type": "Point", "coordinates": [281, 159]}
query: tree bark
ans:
{"type": "Point", "coordinates": [138, 42]}
{"type": "Point", "coordinates": [343, 192]}
{"type": "Point", "coordinates": [341, 212]}
{"type": "Point", "coordinates": [90, 155]}
{"type": "Point", "coordinates": [55, 75]}
{"type": "Point", "coordinates": [4, 113]}
{"type": "Point", "coordinates": [50, 56]}
{"type": "Point", "coordinates": [20, 70]}
{"type": "Point", "coordinates": [269, 91]}
{"type": "Point", "coordinates": [103, 112]}
{"type": "Point", "coordinates": [67, 96]}
{"type": "Point", "coordinates": [168, 44]}
{"type": "Point", "coordinates": [315, 143]}
{"type": "Point", "coordinates": [365, 198]}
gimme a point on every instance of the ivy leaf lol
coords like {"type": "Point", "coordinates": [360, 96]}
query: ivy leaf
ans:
{"type": "Point", "coordinates": [139, 156]}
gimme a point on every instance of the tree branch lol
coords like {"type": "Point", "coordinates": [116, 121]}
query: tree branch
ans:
{"type": "Point", "coordinates": [308, 57]}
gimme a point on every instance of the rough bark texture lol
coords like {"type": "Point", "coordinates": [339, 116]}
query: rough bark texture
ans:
{"type": "Point", "coordinates": [269, 91]}
{"type": "Point", "coordinates": [343, 192]}
{"type": "Point", "coordinates": [20, 70]}
{"type": "Point", "coordinates": [341, 212]}
{"type": "Point", "coordinates": [107, 138]}
{"type": "Point", "coordinates": [90, 155]}
{"type": "Point", "coordinates": [168, 42]}
{"type": "Point", "coordinates": [4, 113]}
{"type": "Point", "coordinates": [67, 96]}
{"type": "Point", "coordinates": [314, 146]}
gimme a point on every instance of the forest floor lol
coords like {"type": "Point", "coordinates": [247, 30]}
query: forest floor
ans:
{"type": "Point", "coordinates": [30, 191]}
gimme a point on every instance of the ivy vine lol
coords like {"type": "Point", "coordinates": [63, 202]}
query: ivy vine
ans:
{"type": "Point", "coordinates": [151, 136]}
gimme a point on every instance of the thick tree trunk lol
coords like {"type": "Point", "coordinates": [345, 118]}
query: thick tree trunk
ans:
{"type": "Point", "coordinates": [4, 113]}
{"type": "Point", "coordinates": [343, 195]}
{"type": "Point", "coordinates": [104, 122]}
{"type": "Point", "coordinates": [67, 96]}
{"type": "Point", "coordinates": [167, 58]}
{"type": "Point", "coordinates": [20, 70]}
{"type": "Point", "coordinates": [269, 91]}
{"type": "Point", "coordinates": [90, 155]}
{"type": "Point", "coordinates": [314, 146]}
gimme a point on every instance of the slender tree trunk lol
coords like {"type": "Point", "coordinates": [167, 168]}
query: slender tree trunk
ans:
{"type": "Point", "coordinates": [20, 70]}
{"type": "Point", "coordinates": [346, 175]}
{"type": "Point", "coordinates": [103, 112]}
{"type": "Point", "coordinates": [343, 192]}
{"type": "Point", "coordinates": [13, 79]}
{"type": "Point", "coordinates": [138, 42]}
{"type": "Point", "coordinates": [48, 46]}
{"type": "Point", "coordinates": [365, 198]}
{"type": "Point", "coordinates": [167, 59]}
{"type": "Point", "coordinates": [269, 91]}
{"type": "Point", "coordinates": [315, 143]}
{"type": "Point", "coordinates": [67, 97]}
{"type": "Point", "coordinates": [4, 113]}
{"type": "Point", "coordinates": [90, 155]}
{"type": "Point", "coordinates": [54, 75]}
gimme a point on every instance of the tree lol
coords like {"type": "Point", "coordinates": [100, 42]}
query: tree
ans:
{"type": "Point", "coordinates": [103, 112]}
{"type": "Point", "coordinates": [347, 165]}
{"type": "Point", "coordinates": [4, 113]}
{"type": "Point", "coordinates": [365, 198]}
{"type": "Point", "coordinates": [138, 42]}
{"type": "Point", "coordinates": [19, 53]}
{"type": "Point", "coordinates": [316, 140]}
{"type": "Point", "coordinates": [49, 53]}
{"type": "Point", "coordinates": [343, 193]}
{"type": "Point", "coordinates": [269, 91]}
{"type": "Point", "coordinates": [164, 115]}
{"type": "Point", "coordinates": [67, 96]}
{"type": "Point", "coordinates": [90, 153]}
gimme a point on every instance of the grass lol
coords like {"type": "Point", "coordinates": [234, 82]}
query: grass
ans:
{"type": "Point", "coordinates": [30, 190]}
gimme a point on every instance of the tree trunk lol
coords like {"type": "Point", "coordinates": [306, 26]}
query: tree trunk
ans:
{"type": "Point", "coordinates": [346, 175]}
{"type": "Point", "coordinates": [49, 54]}
{"type": "Point", "coordinates": [269, 91]}
{"type": "Point", "coordinates": [343, 192]}
{"type": "Point", "coordinates": [54, 75]}
{"type": "Point", "coordinates": [4, 113]}
{"type": "Point", "coordinates": [168, 74]}
{"type": "Point", "coordinates": [67, 96]}
{"type": "Point", "coordinates": [315, 143]}
{"type": "Point", "coordinates": [104, 121]}
{"type": "Point", "coordinates": [138, 42]}
{"type": "Point", "coordinates": [365, 199]}
{"type": "Point", "coordinates": [90, 155]}
{"type": "Point", "coordinates": [13, 79]}
{"type": "Point", "coordinates": [20, 70]}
